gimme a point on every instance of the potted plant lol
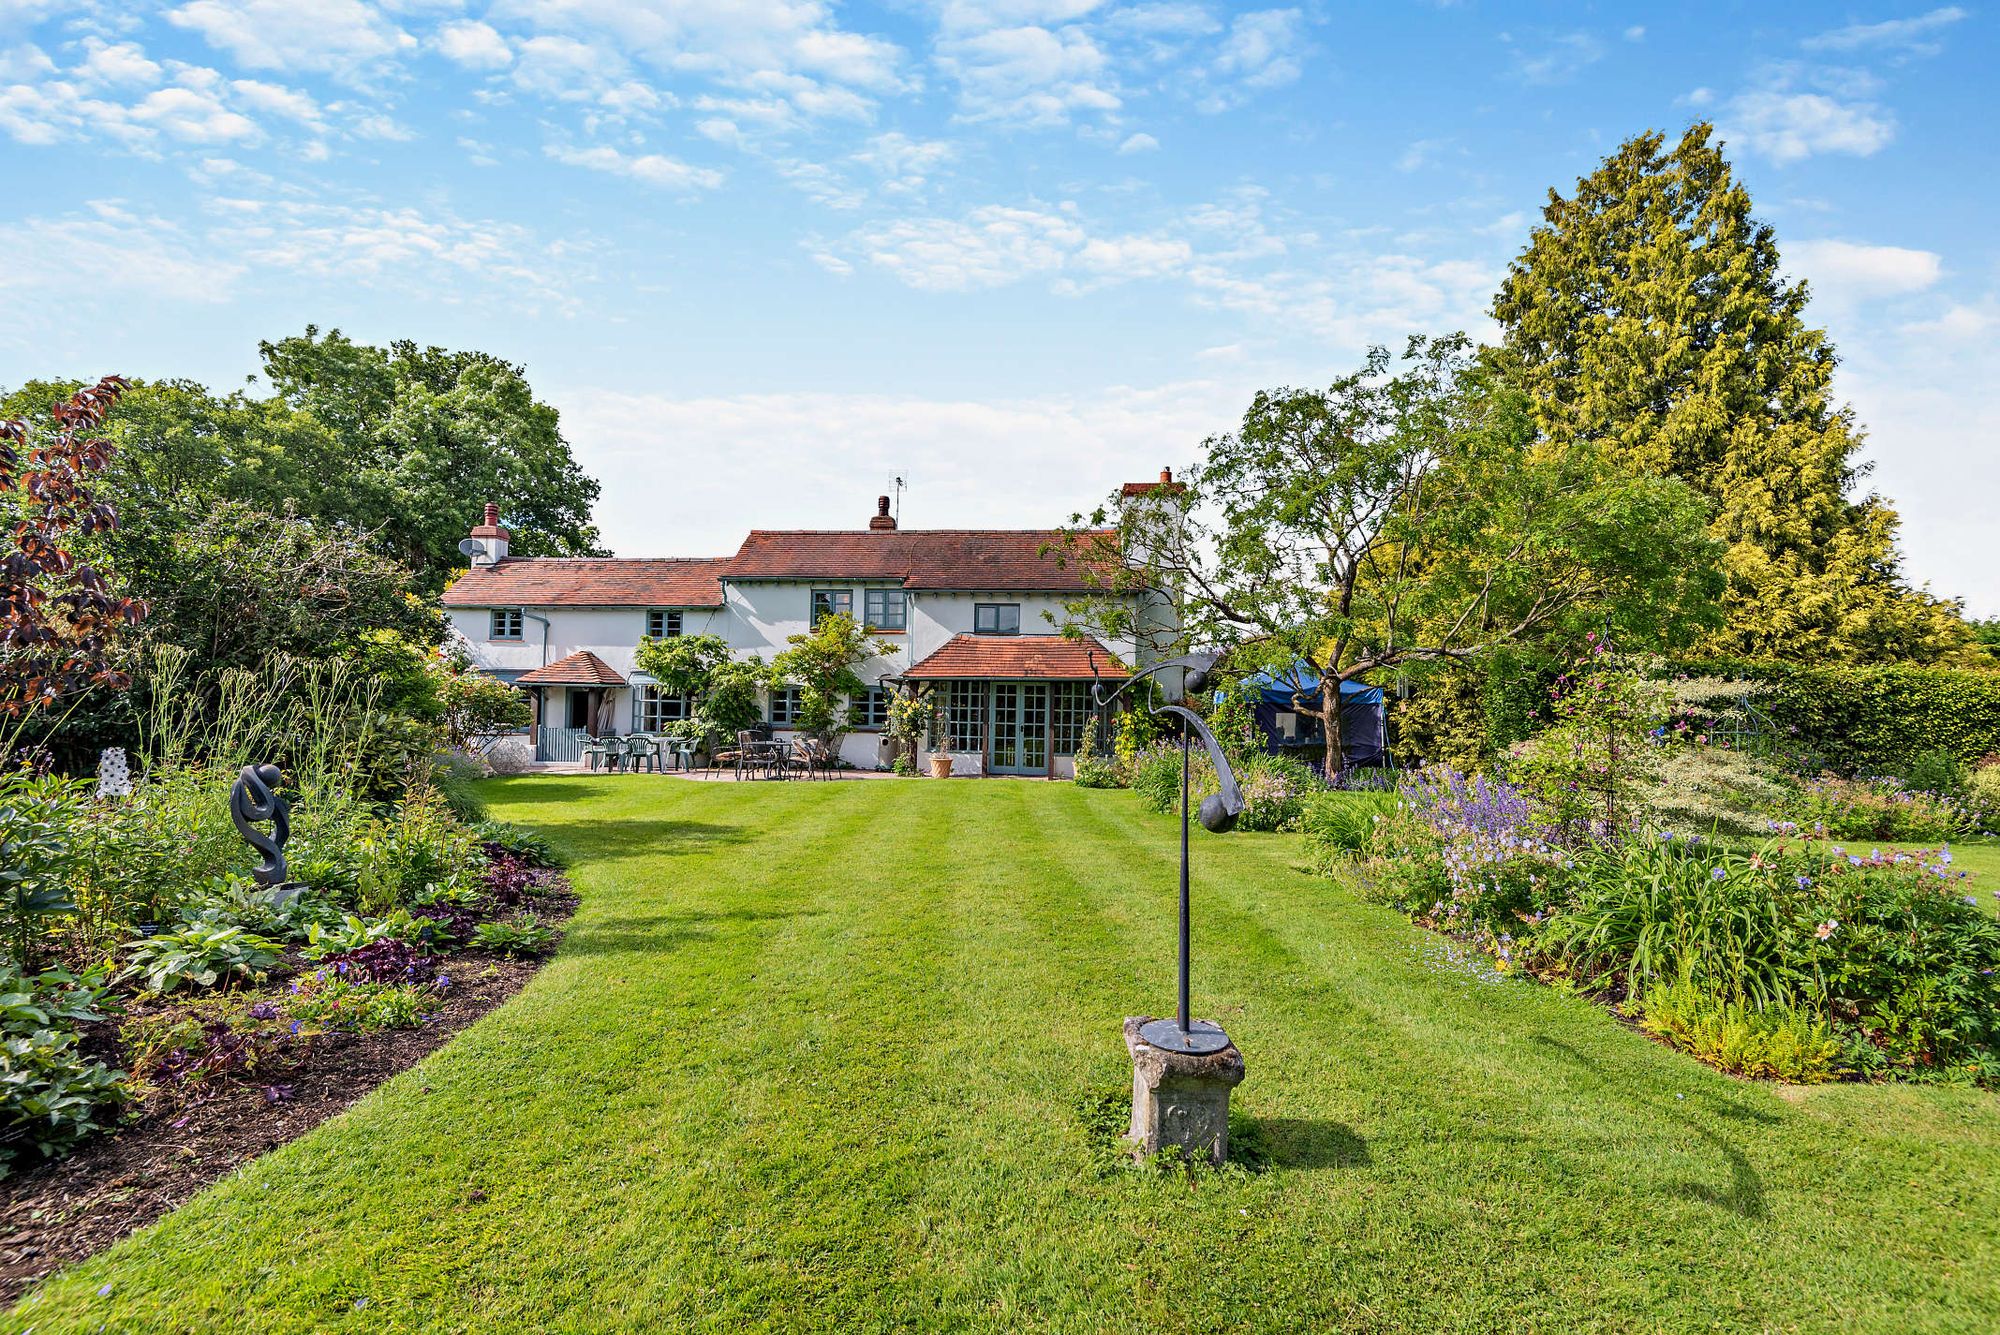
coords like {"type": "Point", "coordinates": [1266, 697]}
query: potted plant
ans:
{"type": "Point", "coordinates": [912, 718]}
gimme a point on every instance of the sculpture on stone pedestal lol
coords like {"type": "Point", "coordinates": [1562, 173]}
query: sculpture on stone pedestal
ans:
{"type": "Point", "coordinates": [1183, 1069]}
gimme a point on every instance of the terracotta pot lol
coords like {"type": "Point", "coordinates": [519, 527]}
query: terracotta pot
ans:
{"type": "Point", "coordinates": [940, 765]}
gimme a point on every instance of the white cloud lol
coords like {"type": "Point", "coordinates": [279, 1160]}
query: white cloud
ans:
{"type": "Point", "coordinates": [989, 247]}
{"type": "Point", "coordinates": [1926, 433]}
{"type": "Point", "coordinates": [1139, 143]}
{"type": "Point", "coordinates": [1421, 154]}
{"type": "Point", "coordinates": [566, 68]}
{"type": "Point", "coordinates": [333, 36]}
{"type": "Point", "coordinates": [369, 244]}
{"type": "Point", "coordinates": [278, 100]}
{"type": "Point", "coordinates": [111, 253]}
{"type": "Point", "coordinates": [1028, 75]}
{"type": "Point", "coordinates": [378, 126]}
{"type": "Point", "coordinates": [1557, 61]}
{"type": "Point", "coordinates": [1956, 325]}
{"type": "Point", "coordinates": [1261, 51]}
{"type": "Point", "coordinates": [649, 168]}
{"type": "Point", "coordinates": [789, 48]}
{"type": "Point", "coordinates": [978, 15]}
{"type": "Point", "coordinates": [1635, 33]}
{"type": "Point", "coordinates": [1126, 257]}
{"type": "Point", "coordinates": [1788, 126]}
{"type": "Point", "coordinates": [904, 163]}
{"type": "Point", "coordinates": [1917, 35]}
{"type": "Point", "coordinates": [817, 460]}
{"type": "Point", "coordinates": [474, 45]}
{"type": "Point", "coordinates": [117, 63]}
{"type": "Point", "coordinates": [1849, 271]}
{"type": "Point", "coordinates": [192, 115]}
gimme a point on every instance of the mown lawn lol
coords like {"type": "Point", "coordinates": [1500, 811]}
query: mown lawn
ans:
{"type": "Point", "coordinates": [816, 1056]}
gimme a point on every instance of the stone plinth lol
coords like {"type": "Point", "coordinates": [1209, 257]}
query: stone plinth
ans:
{"type": "Point", "coordinates": [1181, 1099]}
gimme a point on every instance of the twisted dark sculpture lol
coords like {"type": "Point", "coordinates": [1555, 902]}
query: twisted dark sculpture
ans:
{"type": "Point", "coordinates": [255, 798]}
{"type": "Point", "coordinates": [1218, 814]}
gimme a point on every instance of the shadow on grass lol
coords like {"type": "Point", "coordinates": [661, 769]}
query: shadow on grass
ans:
{"type": "Point", "coordinates": [1744, 1195]}
{"type": "Point", "coordinates": [663, 932]}
{"type": "Point", "coordinates": [589, 841]}
{"type": "Point", "coordinates": [1308, 1143]}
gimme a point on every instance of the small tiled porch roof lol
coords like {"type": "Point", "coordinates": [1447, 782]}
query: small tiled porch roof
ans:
{"type": "Point", "coordinates": [582, 668]}
{"type": "Point", "coordinates": [1019, 658]}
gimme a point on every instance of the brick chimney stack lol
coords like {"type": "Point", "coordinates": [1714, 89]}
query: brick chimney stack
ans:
{"type": "Point", "coordinates": [883, 522]}
{"type": "Point", "coordinates": [492, 536]}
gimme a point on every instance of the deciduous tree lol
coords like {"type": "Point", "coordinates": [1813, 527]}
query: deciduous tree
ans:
{"type": "Point", "coordinates": [1403, 519]}
{"type": "Point", "coordinates": [59, 617]}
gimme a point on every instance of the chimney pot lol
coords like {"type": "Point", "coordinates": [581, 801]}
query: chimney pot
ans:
{"type": "Point", "coordinates": [883, 520]}
{"type": "Point", "coordinates": [495, 538]}
{"type": "Point", "coordinates": [1166, 476]}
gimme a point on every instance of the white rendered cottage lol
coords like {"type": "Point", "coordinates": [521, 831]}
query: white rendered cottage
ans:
{"type": "Point", "coordinates": [973, 616]}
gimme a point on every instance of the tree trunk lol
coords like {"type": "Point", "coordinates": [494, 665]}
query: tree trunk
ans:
{"type": "Point", "coordinates": [1329, 702]}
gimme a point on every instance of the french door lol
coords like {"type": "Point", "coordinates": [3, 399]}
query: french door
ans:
{"type": "Point", "coordinates": [1018, 740]}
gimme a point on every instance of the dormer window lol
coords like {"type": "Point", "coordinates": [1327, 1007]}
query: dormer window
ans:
{"type": "Point", "coordinates": [996, 618]}
{"type": "Point", "coordinates": [506, 624]}
{"type": "Point", "coordinates": [662, 623]}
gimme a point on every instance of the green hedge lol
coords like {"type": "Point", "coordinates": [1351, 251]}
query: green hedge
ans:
{"type": "Point", "coordinates": [1873, 719]}
{"type": "Point", "coordinates": [1853, 720]}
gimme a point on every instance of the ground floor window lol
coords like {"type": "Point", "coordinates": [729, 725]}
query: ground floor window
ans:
{"type": "Point", "coordinates": [1069, 710]}
{"type": "Point", "coordinates": [870, 709]}
{"type": "Point", "coordinates": [965, 715]}
{"type": "Point", "coordinates": [784, 707]}
{"type": "Point", "coordinates": [653, 709]}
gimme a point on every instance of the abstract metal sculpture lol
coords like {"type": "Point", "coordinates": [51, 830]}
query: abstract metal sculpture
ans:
{"type": "Point", "coordinates": [1219, 811]}
{"type": "Point", "coordinates": [255, 798]}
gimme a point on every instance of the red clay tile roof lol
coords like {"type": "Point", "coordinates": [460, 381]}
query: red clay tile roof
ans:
{"type": "Point", "coordinates": [591, 582]}
{"type": "Point", "coordinates": [1165, 483]}
{"type": "Point", "coordinates": [1029, 657]}
{"type": "Point", "coordinates": [582, 668]}
{"type": "Point", "coordinates": [965, 559]}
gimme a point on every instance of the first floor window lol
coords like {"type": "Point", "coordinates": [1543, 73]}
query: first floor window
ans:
{"type": "Point", "coordinates": [996, 618]}
{"type": "Point", "coordinates": [884, 609]}
{"type": "Point", "coordinates": [784, 707]}
{"type": "Point", "coordinates": [827, 602]}
{"type": "Point", "coordinates": [1069, 710]}
{"type": "Point", "coordinates": [965, 715]}
{"type": "Point", "coordinates": [653, 709]}
{"type": "Point", "coordinates": [506, 624]}
{"type": "Point", "coordinates": [870, 709]}
{"type": "Point", "coordinates": [661, 623]}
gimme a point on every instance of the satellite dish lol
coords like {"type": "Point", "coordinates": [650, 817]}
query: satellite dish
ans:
{"type": "Point", "coordinates": [472, 547]}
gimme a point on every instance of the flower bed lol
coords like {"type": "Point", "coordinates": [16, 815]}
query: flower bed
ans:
{"type": "Point", "coordinates": [1793, 957]}
{"type": "Point", "coordinates": [175, 1085]}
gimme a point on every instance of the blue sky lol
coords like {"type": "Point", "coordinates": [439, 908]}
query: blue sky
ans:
{"type": "Point", "coordinates": [768, 254]}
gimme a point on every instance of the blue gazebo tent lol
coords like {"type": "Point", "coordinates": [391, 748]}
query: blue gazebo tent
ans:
{"type": "Point", "coordinates": [1289, 732]}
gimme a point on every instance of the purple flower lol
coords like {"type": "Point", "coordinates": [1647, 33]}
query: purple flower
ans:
{"type": "Point", "coordinates": [1804, 882]}
{"type": "Point", "coordinates": [1717, 874]}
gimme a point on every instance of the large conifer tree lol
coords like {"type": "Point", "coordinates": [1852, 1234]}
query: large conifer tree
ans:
{"type": "Point", "coordinates": [1649, 313]}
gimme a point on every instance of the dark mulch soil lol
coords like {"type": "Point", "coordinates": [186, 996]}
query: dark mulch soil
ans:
{"type": "Point", "coordinates": [114, 1185]}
